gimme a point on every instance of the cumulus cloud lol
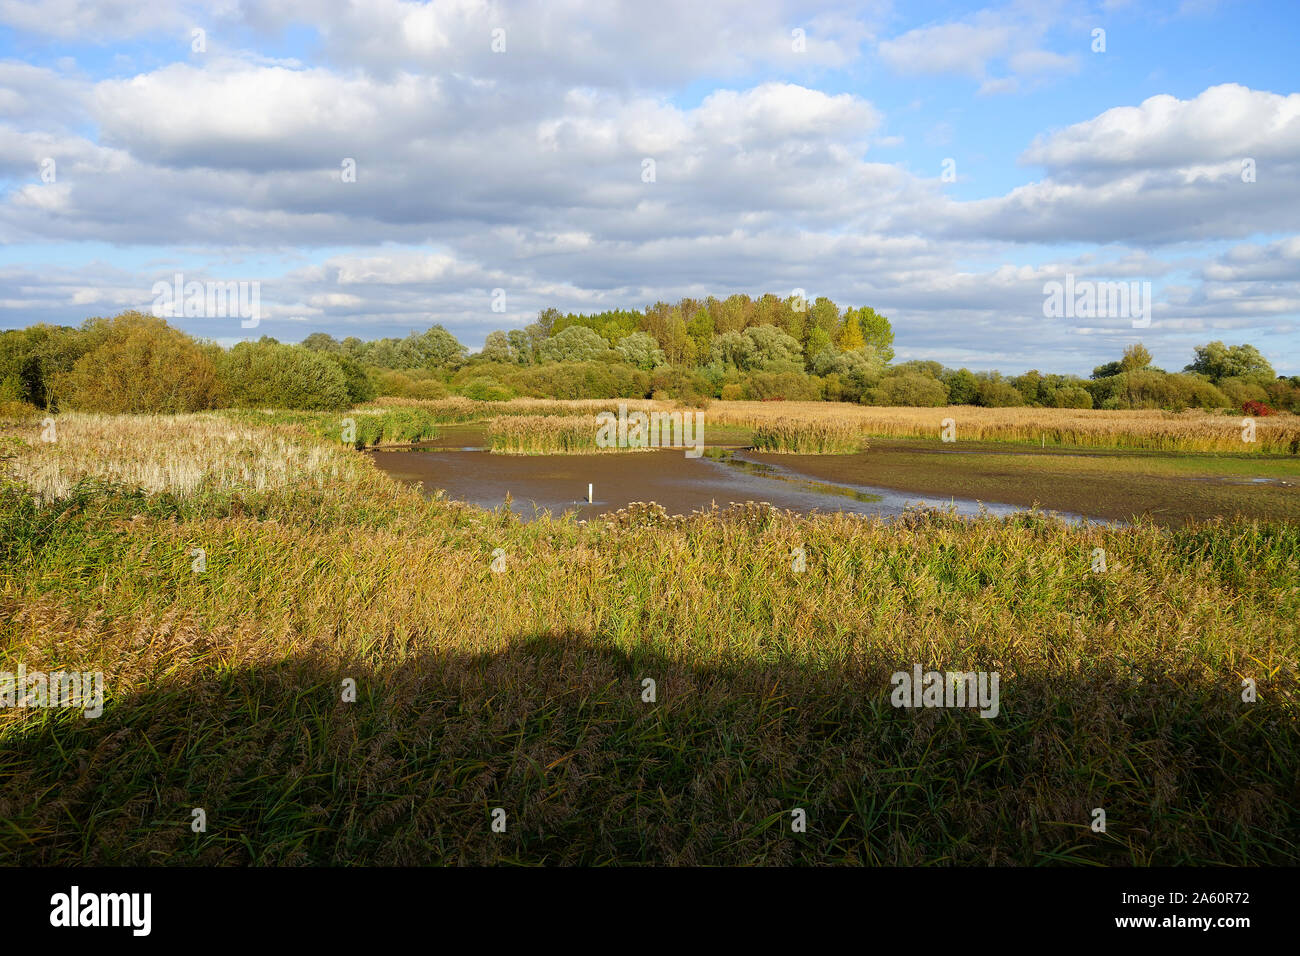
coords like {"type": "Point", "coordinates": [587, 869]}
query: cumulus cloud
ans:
{"type": "Point", "coordinates": [526, 171]}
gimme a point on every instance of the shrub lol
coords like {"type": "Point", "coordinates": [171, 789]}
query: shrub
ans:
{"type": "Point", "coordinates": [791, 386]}
{"type": "Point", "coordinates": [140, 364]}
{"type": "Point", "coordinates": [484, 389]}
{"type": "Point", "coordinates": [1071, 397]}
{"type": "Point", "coordinates": [1240, 391]}
{"type": "Point", "coordinates": [909, 388]}
{"type": "Point", "coordinates": [428, 390]}
{"type": "Point", "coordinates": [992, 394]}
{"type": "Point", "coordinates": [266, 374]}
{"type": "Point", "coordinates": [1257, 409]}
{"type": "Point", "coordinates": [732, 393]}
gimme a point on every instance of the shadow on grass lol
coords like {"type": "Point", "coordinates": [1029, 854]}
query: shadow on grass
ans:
{"type": "Point", "coordinates": [554, 731]}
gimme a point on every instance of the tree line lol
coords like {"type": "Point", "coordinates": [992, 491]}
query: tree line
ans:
{"type": "Point", "coordinates": [764, 348]}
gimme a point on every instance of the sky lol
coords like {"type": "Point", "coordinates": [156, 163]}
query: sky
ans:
{"type": "Point", "coordinates": [376, 167]}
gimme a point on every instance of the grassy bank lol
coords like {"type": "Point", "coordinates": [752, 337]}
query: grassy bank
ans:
{"type": "Point", "coordinates": [522, 688]}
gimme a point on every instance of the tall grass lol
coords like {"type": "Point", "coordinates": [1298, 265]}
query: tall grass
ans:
{"type": "Point", "coordinates": [182, 455]}
{"type": "Point", "coordinates": [522, 688]}
{"type": "Point", "coordinates": [360, 428]}
{"type": "Point", "coordinates": [459, 410]}
{"type": "Point", "coordinates": [791, 436]}
{"type": "Point", "coordinates": [1196, 431]}
{"type": "Point", "coordinates": [544, 435]}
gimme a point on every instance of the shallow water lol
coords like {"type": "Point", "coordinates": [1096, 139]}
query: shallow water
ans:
{"type": "Point", "coordinates": [558, 483]}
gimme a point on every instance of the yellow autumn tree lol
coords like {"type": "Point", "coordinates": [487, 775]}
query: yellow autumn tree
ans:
{"type": "Point", "coordinates": [850, 336]}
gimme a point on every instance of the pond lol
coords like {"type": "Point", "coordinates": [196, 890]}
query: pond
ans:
{"type": "Point", "coordinates": [558, 483]}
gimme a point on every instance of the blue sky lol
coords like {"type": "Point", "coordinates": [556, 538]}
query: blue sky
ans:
{"type": "Point", "coordinates": [776, 168]}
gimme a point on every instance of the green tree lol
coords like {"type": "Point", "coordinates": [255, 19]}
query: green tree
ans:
{"type": "Point", "coordinates": [1135, 357]}
{"type": "Point", "coordinates": [640, 350]}
{"type": "Point", "coordinates": [577, 343]}
{"type": "Point", "coordinates": [876, 331]}
{"type": "Point", "coordinates": [321, 342]}
{"type": "Point", "coordinates": [496, 348]}
{"type": "Point", "coordinates": [1218, 361]}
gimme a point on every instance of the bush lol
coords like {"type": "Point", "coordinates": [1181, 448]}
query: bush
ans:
{"type": "Point", "coordinates": [579, 380]}
{"type": "Point", "coordinates": [429, 389]}
{"type": "Point", "coordinates": [790, 386]}
{"type": "Point", "coordinates": [484, 389]}
{"type": "Point", "coordinates": [732, 393]}
{"type": "Point", "coordinates": [141, 365]}
{"type": "Point", "coordinates": [1071, 397]}
{"type": "Point", "coordinates": [266, 374]}
{"type": "Point", "coordinates": [1241, 391]}
{"type": "Point", "coordinates": [990, 394]}
{"type": "Point", "coordinates": [909, 388]}
{"type": "Point", "coordinates": [1257, 409]}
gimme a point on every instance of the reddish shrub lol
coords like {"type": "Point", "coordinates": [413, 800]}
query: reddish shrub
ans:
{"type": "Point", "coordinates": [1256, 409]}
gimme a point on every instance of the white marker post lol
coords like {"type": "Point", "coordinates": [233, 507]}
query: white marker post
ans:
{"type": "Point", "coordinates": [589, 499]}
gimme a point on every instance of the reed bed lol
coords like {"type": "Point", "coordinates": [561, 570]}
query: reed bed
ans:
{"type": "Point", "coordinates": [795, 437]}
{"type": "Point", "coordinates": [521, 687]}
{"type": "Point", "coordinates": [545, 435]}
{"type": "Point", "coordinates": [1193, 430]}
{"type": "Point", "coordinates": [182, 455]}
{"type": "Point", "coordinates": [458, 410]}
{"type": "Point", "coordinates": [361, 428]}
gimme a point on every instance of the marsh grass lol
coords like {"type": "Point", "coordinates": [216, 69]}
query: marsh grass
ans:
{"type": "Point", "coordinates": [522, 689]}
{"type": "Point", "coordinates": [545, 435]}
{"type": "Point", "coordinates": [459, 410]}
{"type": "Point", "coordinates": [1192, 430]}
{"type": "Point", "coordinates": [367, 426]}
{"type": "Point", "coordinates": [795, 437]}
{"type": "Point", "coordinates": [182, 455]}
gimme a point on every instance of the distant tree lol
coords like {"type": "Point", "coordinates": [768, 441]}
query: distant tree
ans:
{"type": "Point", "coordinates": [321, 342]}
{"type": "Point", "coordinates": [33, 359]}
{"type": "Point", "coordinates": [436, 349]}
{"type": "Point", "coordinates": [962, 387]}
{"type": "Point", "coordinates": [700, 327]}
{"type": "Point", "coordinates": [640, 350]}
{"type": "Point", "coordinates": [1135, 357]}
{"type": "Point", "coordinates": [496, 348]}
{"type": "Point", "coordinates": [359, 385]}
{"type": "Point", "coordinates": [772, 349]}
{"type": "Point", "coordinates": [850, 337]}
{"type": "Point", "coordinates": [1219, 361]}
{"type": "Point", "coordinates": [909, 388]}
{"type": "Point", "coordinates": [876, 331]}
{"type": "Point", "coordinates": [577, 343]}
{"type": "Point", "coordinates": [522, 346]}
{"type": "Point", "coordinates": [731, 350]}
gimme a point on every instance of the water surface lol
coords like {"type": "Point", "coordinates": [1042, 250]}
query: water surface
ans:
{"type": "Point", "coordinates": [558, 483]}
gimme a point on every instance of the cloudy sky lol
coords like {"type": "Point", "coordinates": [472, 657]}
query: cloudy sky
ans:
{"type": "Point", "coordinates": [937, 161]}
